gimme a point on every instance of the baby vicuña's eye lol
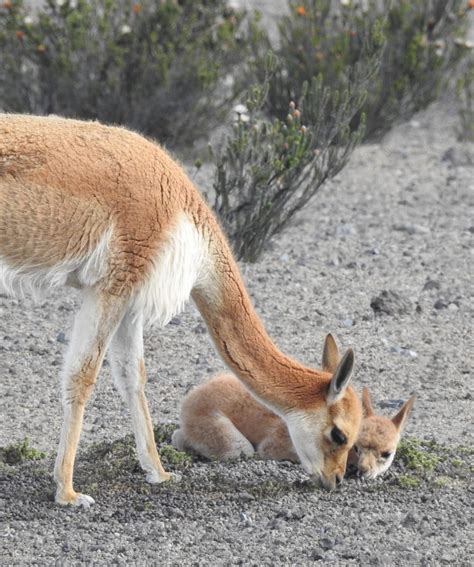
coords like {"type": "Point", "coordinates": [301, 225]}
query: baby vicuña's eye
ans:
{"type": "Point", "coordinates": [338, 436]}
{"type": "Point", "coordinates": [386, 454]}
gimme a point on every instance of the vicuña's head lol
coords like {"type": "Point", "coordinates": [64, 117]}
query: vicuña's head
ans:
{"type": "Point", "coordinates": [378, 439]}
{"type": "Point", "coordinates": [325, 426]}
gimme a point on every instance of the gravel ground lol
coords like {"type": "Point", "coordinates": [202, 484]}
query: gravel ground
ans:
{"type": "Point", "coordinates": [383, 259]}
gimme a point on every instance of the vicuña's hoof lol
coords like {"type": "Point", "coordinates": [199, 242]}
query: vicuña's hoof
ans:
{"type": "Point", "coordinates": [75, 499]}
{"type": "Point", "coordinates": [156, 478]}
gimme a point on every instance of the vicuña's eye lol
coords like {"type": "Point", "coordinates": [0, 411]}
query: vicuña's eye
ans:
{"type": "Point", "coordinates": [338, 436]}
{"type": "Point", "coordinates": [386, 454]}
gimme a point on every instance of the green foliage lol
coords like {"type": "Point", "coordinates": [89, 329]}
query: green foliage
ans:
{"type": "Point", "coordinates": [152, 66]}
{"type": "Point", "coordinates": [421, 48]}
{"type": "Point", "coordinates": [465, 96]}
{"type": "Point", "coordinates": [270, 169]}
{"type": "Point", "coordinates": [408, 481]}
{"type": "Point", "coordinates": [176, 459]}
{"type": "Point", "coordinates": [417, 455]}
{"type": "Point", "coordinates": [19, 452]}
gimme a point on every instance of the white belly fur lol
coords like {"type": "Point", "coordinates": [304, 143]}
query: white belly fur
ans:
{"type": "Point", "coordinates": [179, 267]}
{"type": "Point", "coordinates": [30, 279]}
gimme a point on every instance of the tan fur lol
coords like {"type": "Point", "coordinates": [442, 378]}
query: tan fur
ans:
{"type": "Point", "coordinates": [68, 188]}
{"type": "Point", "coordinates": [378, 438]}
{"type": "Point", "coordinates": [218, 416]}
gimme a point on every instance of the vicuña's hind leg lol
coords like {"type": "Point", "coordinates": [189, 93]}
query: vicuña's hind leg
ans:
{"type": "Point", "coordinates": [94, 325]}
{"type": "Point", "coordinates": [128, 369]}
{"type": "Point", "coordinates": [213, 436]}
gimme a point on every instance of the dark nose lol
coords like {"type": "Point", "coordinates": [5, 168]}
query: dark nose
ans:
{"type": "Point", "coordinates": [338, 480]}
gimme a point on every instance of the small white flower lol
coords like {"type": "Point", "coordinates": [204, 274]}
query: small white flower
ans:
{"type": "Point", "coordinates": [28, 20]}
{"type": "Point", "coordinates": [241, 109]}
{"type": "Point", "coordinates": [345, 2]}
{"type": "Point", "coordinates": [125, 29]}
{"type": "Point", "coordinates": [244, 117]}
{"type": "Point", "coordinates": [60, 3]}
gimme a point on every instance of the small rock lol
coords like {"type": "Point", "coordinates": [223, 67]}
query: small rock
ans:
{"type": "Point", "coordinates": [440, 304]}
{"type": "Point", "coordinates": [431, 284]}
{"type": "Point", "coordinates": [459, 155]}
{"type": "Point", "coordinates": [245, 519]}
{"type": "Point", "coordinates": [410, 519]}
{"type": "Point", "coordinates": [348, 323]}
{"type": "Point", "coordinates": [453, 307]}
{"type": "Point", "coordinates": [409, 353]}
{"type": "Point", "coordinates": [391, 303]}
{"type": "Point", "coordinates": [391, 404]}
{"type": "Point", "coordinates": [411, 228]}
{"type": "Point", "coordinates": [61, 338]}
{"type": "Point", "coordinates": [200, 329]}
{"type": "Point", "coordinates": [277, 524]}
{"type": "Point", "coordinates": [326, 543]}
{"type": "Point", "coordinates": [345, 229]}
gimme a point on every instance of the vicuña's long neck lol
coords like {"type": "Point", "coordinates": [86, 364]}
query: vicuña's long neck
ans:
{"type": "Point", "coordinates": [242, 340]}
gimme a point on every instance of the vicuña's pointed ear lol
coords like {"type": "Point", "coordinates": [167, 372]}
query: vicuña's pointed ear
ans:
{"type": "Point", "coordinates": [399, 420]}
{"type": "Point", "coordinates": [341, 377]}
{"type": "Point", "coordinates": [367, 402]}
{"type": "Point", "coordinates": [331, 356]}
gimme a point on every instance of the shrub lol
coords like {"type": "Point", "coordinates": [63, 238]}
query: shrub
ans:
{"type": "Point", "coordinates": [465, 95]}
{"type": "Point", "coordinates": [150, 65]}
{"type": "Point", "coordinates": [322, 37]}
{"type": "Point", "coordinates": [269, 170]}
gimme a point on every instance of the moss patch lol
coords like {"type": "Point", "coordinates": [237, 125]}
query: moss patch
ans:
{"type": "Point", "coordinates": [408, 481]}
{"type": "Point", "coordinates": [429, 463]}
{"type": "Point", "coordinates": [19, 452]}
{"type": "Point", "coordinates": [417, 455]}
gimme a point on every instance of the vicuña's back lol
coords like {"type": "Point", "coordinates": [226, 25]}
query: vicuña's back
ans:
{"type": "Point", "coordinates": [72, 190]}
{"type": "Point", "coordinates": [105, 210]}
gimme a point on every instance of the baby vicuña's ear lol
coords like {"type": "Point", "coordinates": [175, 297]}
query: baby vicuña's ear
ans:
{"type": "Point", "coordinates": [331, 356]}
{"type": "Point", "coordinates": [399, 420]}
{"type": "Point", "coordinates": [367, 402]}
{"type": "Point", "coordinates": [341, 377]}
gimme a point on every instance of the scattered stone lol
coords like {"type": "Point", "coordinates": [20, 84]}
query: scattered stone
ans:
{"type": "Point", "coordinates": [390, 303]}
{"type": "Point", "coordinates": [410, 519]}
{"type": "Point", "coordinates": [200, 329]}
{"type": "Point", "coordinates": [431, 284]}
{"type": "Point", "coordinates": [391, 404]}
{"type": "Point", "coordinates": [277, 524]}
{"type": "Point", "coordinates": [411, 228]}
{"type": "Point", "coordinates": [61, 338]}
{"type": "Point", "coordinates": [459, 155]}
{"type": "Point", "coordinates": [326, 543]}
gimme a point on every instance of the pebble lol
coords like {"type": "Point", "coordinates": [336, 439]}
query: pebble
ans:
{"type": "Point", "coordinates": [411, 228]}
{"type": "Point", "coordinates": [61, 338]}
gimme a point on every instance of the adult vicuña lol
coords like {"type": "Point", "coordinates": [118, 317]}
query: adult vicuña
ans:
{"type": "Point", "coordinates": [107, 211]}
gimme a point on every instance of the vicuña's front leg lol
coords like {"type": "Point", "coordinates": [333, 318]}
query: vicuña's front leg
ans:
{"type": "Point", "coordinates": [128, 369]}
{"type": "Point", "coordinates": [94, 325]}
